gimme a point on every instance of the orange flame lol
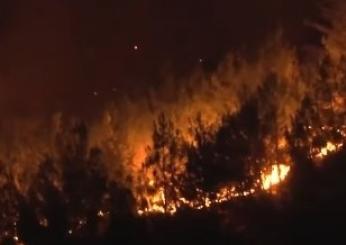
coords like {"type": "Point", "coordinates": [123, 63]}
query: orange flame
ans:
{"type": "Point", "coordinates": [277, 174]}
{"type": "Point", "coordinates": [157, 202]}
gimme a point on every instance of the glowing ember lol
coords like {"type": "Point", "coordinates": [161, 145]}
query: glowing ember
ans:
{"type": "Point", "coordinates": [156, 203]}
{"type": "Point", "coordinates": [43, 222]}
{"type": "Point", "coordinates": [326, 150]}
{"type": "Point", "coordinates": [100, 213]}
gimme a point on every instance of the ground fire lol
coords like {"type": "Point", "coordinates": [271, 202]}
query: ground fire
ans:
{"type": "Point", "coordinates": [237, 133]}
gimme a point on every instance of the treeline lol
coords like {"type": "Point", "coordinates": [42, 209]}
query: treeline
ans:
{"type": "Point", "coordinates": [72, 195]}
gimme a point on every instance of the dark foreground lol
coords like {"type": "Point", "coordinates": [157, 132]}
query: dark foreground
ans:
{"type": "Point", "coordinates": [309, 209]}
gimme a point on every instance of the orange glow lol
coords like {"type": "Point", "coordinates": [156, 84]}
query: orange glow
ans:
{"type": "Point", "coordinates": [329, 148]}
{"type": "Point", "coordinates": [276, 175]}
{"type": "Point", "coordinates": [157, 204]}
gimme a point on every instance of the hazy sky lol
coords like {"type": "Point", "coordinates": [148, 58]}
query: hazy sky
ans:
{"type": "Point", "coordinates": [55, 54]}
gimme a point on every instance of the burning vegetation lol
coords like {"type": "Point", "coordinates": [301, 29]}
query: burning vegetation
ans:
{"type": "Point", "coordinates": [218, 138]}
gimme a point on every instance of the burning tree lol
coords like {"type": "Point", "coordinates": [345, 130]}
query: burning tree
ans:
{"type": "Point", "coordinates": [91, 198]}
{"type": "Point", "coordinates": [71, 193]}
{"type": "Point", "coordinates": [223, 155]}
{"type": "Point", "coordinates": [165, 165]}
{"type": "Point", "coordinates": [245, 143]}
{"type": "Point", "coordinates": [320, 125]}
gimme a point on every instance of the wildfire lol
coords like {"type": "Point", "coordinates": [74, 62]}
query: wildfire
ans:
{"type": "Point", "coordinates": [327, 149]}
{"type": "Point", "coordinates": [275, 88]}
{"type": "Point", "coordinates": [157, 203]}
{"type": "Point", "coordinates": [277, 174]}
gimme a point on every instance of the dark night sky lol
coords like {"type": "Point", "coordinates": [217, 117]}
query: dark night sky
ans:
{"type": "Point", "coordinates": [54, 54]}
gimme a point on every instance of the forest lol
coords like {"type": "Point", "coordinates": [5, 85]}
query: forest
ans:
{"type": "Point", "coordinates": [251, 153]}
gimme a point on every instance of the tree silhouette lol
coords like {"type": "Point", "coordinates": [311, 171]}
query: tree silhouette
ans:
{"type": "Point", "coordinates": [9, 205]}
{"type": "Point", "coordinates": [225, 155]}
{"type": "Point", "coordinates": [166, 158]}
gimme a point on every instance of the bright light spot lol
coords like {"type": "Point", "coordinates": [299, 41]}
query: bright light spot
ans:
{"type": "Point", "coordinates": [95, 93]}
{"type": "Point", "coordinates": [151, 183]}
{"type": "Point", "coordinates": [282, 144]}
{"type": "Point", "coordinates": [100, 213]}
{"type": "Point", "coordinates": [328, 149]}
{"type": "Point", "coordinates": [135, 47]}
{"type": "Point", "coordinates": [278, 173]}
{"type": "Point", "coordinates": [207, 202]}
{"type": "Point", "coordinates": [44, 222]}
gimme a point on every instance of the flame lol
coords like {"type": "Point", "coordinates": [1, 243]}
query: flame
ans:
{"type": "Point", "coordinates": [269, 180]}
{"type": "Point", "coordinates": [277, 174]}
{"type": "Point", "coordinates": [326, 150]}
{"type": "Point", "coordinates": [125, 132]}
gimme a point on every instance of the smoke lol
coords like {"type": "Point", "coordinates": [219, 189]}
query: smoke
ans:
{"type": "Point", "coordinates": [124, 132]}
{"type": "Point", "coordinates": [24, 145]}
